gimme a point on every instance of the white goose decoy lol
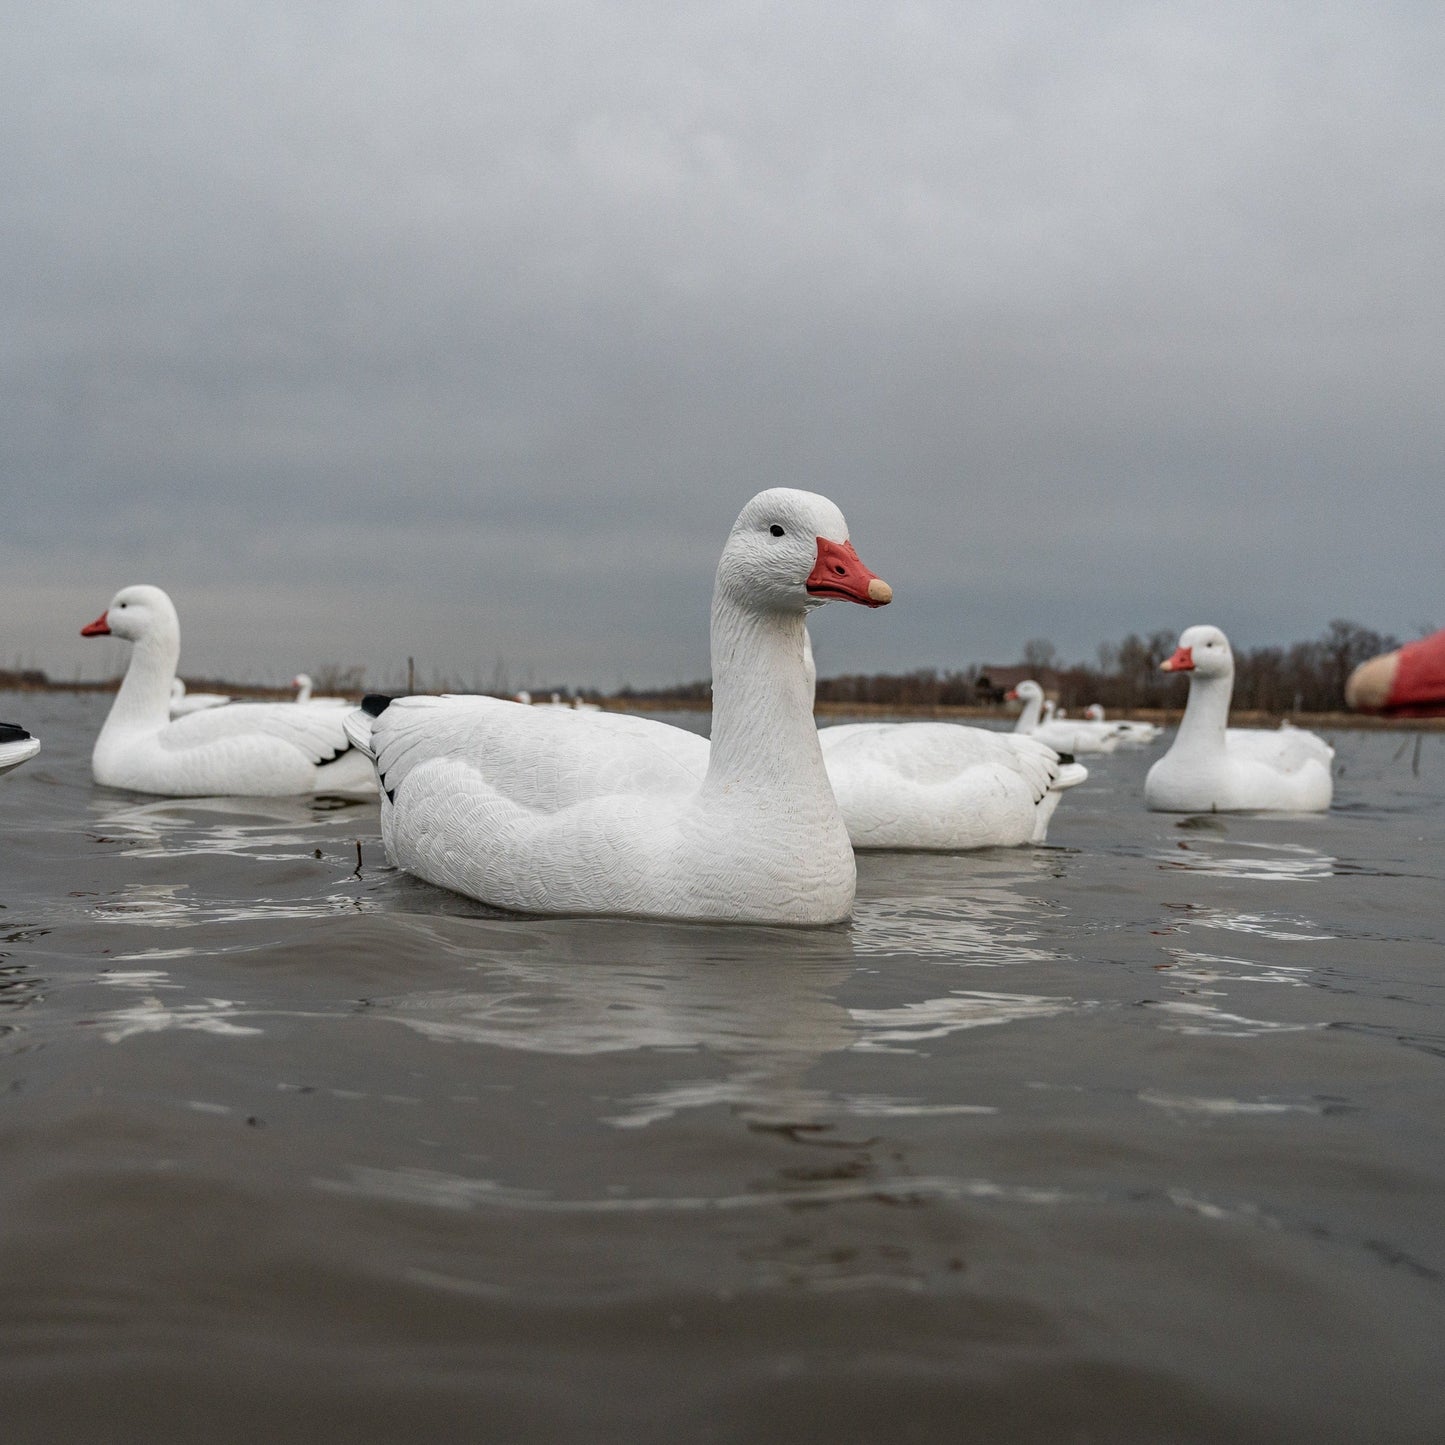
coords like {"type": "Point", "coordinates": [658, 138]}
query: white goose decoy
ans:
{"type": "Point", "coordinates": [550, 810]}
{"type": "Point", "coordinates": [303, 684]}
{"type": "Point", "coordinates": [1131, 734]}
{"type": "Point", "coordinates": [941, 786]}
{"type": "Point", "coordinates": [16, 746]}
{"type": "Point", "coordinates": [934, 786]}
{"type": "Point", "coordinates": [1214, 768]}
{"type": "Point", "coordinates": [183, 702]}
{"type": "Point", "coordinates": [245, 749]}
{"type": "Point", "coordinates": [1064, 735]}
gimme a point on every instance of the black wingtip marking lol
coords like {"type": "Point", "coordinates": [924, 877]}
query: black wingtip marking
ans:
{"type": "Point", "coordinates": [376, 703]}
{"type": "Point", "coordinates": [1066, 757]}
{"type": "Point", "coordinates": [340, 752]}
{"type": "Point", "coordinates": [10, 733]}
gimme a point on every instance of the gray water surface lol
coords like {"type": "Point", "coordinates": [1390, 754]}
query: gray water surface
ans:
{"type": "Point", "coordinates": [1134, 1137]}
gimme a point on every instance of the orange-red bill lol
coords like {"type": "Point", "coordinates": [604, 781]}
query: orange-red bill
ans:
{"type": "Point", "coordinates": [840, 572]}
{"type": "Point", "coordinates": [99, 628]}
{"type": "Point", "coordinates": [1182, 661]}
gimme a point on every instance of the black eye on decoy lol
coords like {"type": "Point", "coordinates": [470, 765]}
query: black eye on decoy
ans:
{"type": "Point", "coordinates": [776, 530]}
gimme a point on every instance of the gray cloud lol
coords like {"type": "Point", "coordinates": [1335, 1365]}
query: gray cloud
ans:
{"type": "Point", "coordinates": [420, 329]}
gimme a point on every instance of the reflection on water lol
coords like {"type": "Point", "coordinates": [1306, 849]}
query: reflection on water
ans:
{"type": "Point", "coordinates": [178, 827]}
{"type": "Point", "coordinates": [933, 1018]}
{"type": "Point", "coordinates": [151, 1016]}
{"type": "Point", "coordinates": [554, 1005]}
{"type": "Point", "coordinates": [983, 930]}
{"type": "Point", "coordinates": [1198, 1018]}
{"type": "Point", "coordinates": [1221, 1213]}
{"type": "Point", "coordinates": [1281, 927]}
{"type": "Point", "coordinates": [869, 1107]}
{"type": "Point", "coordinates": [151, 978]}
{"type": "Point", "coordinates": [765, 1021]}
{"type": "Point", "coordinates": [1273, 862]}
{"type": "Point", "coordinates": [19, 989]}
{"type": "Point", "coordinates": [174, 905]}
{"type": "Point", "coordinates": [449, 1191]}
{"type": "Point", "coordinates": [1181, 1104]}
{"type": "Point", "coordinates": [1196, 968]}
{"type": "Point", "coordinates": [608, 1124]}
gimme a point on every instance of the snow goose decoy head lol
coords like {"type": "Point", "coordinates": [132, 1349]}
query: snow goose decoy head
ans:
{"type": "Point", "coordinates": [1202, 650]}
{"type": "Point", "coordinates": [1026, 691]}
{"type": "Point", "coordinates": [789, 552]}
{"type": "Point", "coordinates": [135, 612]}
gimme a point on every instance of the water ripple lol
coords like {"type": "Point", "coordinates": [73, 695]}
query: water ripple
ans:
{"type": "Point", "coordinates": [1270, 862]}
{"type": "Point", "coordinates": [990, 927]}
{"type": "Point", "coordinates": [1198, 1018]}
{"type": "Point", "coordinates": [934, 1018]}
{"type": "Point", "coordinates": [450, 1191]}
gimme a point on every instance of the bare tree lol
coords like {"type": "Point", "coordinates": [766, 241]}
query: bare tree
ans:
{"type": "Point", "coordinates": [1040, 654]}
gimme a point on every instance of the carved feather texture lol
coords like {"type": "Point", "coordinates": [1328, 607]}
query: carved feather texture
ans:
{"type": "Point", "coordinates": [244, 749]}
{"type": "Point", "coordinates": [554, 811]}
{"type": "Point", "coordinates": [1211, 767]}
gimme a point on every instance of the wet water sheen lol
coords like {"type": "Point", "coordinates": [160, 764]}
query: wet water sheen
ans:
{"type": "Point", "coordinates": [1135, 1137]}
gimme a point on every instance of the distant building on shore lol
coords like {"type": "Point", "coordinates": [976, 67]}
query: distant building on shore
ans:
{"type": "Point", "coordinates": [25, 678]}
{"type": "Point", "coordinates": [995, 683]}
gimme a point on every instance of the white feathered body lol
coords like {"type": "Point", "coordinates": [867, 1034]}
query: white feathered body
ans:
{"type": "Point", "coordinates": [16, 750]}
{"type": "Point", "coordinates": [1256, 770]}
{"type": "Point", "coordinates": [243, 750]}
{"type": "Point", "coordinates": [1213, 768]}
{"type": "Point", "coordinates": [548, 810]}
{"type": "Point", "coordinates": [943, 786]}
{"type": "Point", "coordinates": [184, 702]}
{"type": "Point", "coordinates": [554, 811]}
{"type": "Point", "coordinates": [1064, 735]}
{"type": "Point", "coordinates": [558, 811]}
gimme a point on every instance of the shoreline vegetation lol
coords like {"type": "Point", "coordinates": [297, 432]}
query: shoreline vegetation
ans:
{"type": "Point", "coordinates": [699, 700]}
{"type": "Point", "coordinates": [1303, 683]}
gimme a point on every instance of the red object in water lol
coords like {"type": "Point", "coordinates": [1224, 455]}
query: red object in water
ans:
{"type": "Point", "coordinates": [1419, 686]}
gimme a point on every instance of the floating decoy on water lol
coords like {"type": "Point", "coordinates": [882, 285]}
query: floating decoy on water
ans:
{"type": "Point", "coordinates": [941, 785]}
{"type": "Point", "coordinates": [1214, 768]}
{"type": "Point", "coordinates": [1063, 735]}
{"type": "Point", "coordinates": [244, 749]}
{"type": "Point", "coordinates": [1130, 733]}
{"type": "Point", "coordinates": [551, 810]}
{"type": "Point", "coordinates": [935, 785]}
{"type": "Point", "coordinates": [183, 702]}
{"type": "Point", "coordinates": [16, 746]}
{"type": "Point", "coordinates": [304, 693]}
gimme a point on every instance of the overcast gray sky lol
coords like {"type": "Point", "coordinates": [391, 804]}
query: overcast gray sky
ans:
{"type": "Point", "coordinates": [464, 331]}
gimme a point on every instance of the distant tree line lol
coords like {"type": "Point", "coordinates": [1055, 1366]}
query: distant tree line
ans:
{"type": "Point", "coordinates": [924, 687]}
{"type": "Point", "coordinates": [1303, 677]}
